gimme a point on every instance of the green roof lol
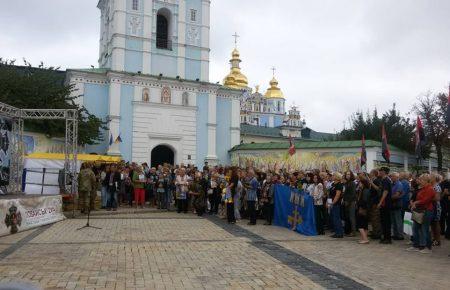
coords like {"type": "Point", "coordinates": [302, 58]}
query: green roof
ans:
{"type": "Point", "coordinates": [307, 133]}
{"type": "Point", "coordinates": [260, 131]}
{"type": "Point", "coordinates": [308, 145]}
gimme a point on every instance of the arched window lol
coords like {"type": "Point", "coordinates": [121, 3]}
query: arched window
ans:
{"type": "Point", "coordinates": [162, 29]}
{"type": "Point", "coordinates": [165, 95]}
{"type": "Point", "coordinates": [185, 99]}
{"type": "Point", "coordinates": [135, 4]}
{"type": "Point", "coordinates": [145, 95]}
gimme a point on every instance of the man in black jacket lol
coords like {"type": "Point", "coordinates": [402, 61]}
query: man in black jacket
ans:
{"type": "Point", "coordinates": [112, 181]}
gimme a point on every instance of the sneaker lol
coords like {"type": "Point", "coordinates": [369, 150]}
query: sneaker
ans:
{"type": "Point", "coordinates": [425, 251]}
{"type": "Point", "coordinates": [410, 243]}
{"type": "Point", "coordinates": [412, 249]}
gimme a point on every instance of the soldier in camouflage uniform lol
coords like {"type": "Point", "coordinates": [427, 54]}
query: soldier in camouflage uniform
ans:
{"type": "Point", "coordinates": [86, 187]}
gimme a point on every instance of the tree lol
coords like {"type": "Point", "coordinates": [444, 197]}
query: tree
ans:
{"type": "Point", "coordinates": [398, 129]}
{"type": "Point", "coordinates": [45, 88]}
{"type": "Point", "coordinates": [432, 109]}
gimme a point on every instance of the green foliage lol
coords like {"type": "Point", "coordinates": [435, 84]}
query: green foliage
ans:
{"type": "Point", "coordinates": [399, 130]}
{"type": "Point", "coordinates": [43, 87]}
{"type": "Point", "coordinates": [432, 108]}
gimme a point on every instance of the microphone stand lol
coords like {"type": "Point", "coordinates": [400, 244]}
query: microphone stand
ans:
{"type": "Point", "coordinates": [87, 223]}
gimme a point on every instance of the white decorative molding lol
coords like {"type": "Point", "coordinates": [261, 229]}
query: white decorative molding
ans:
{"type": "Point", "coordinates": [193, 35]}
{"type": "Point", "coordinates": [135, 25]}
{"type": "Point", "coordinates": [159, 105]}
{"type": "Point", "coordinates": [164, 136]}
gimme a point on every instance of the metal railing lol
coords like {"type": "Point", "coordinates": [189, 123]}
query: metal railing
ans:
{"type": "Point", "coordinates": [163, 43]}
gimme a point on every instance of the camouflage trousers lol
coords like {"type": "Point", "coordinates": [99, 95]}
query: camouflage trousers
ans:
{"type": "Point", "coordinates": [82, 197]}
{"type": "Point", "coordinates": [374, 218]}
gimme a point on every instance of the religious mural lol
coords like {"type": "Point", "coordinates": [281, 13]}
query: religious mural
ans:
{"type": "Point", "coordinates": [332, 161]}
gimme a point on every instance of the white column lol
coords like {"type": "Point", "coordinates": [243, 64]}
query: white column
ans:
{"type": "Point", "coordinates": [235, 124]}
{"type": "Point", "coordinates": [405, 162]}
{"type": "Point", "coordinates": [205, 40]}
{"type": "Point", "coordinates": [147, 34]}
{"type": "Point", "coordinates": [212, 126]}
{"type": "Point", "coordinates": [118, 41]}
{"type": "Point", "coordinates": [114, 116]}
{"type": "Point", "coordinates": [182, 39]}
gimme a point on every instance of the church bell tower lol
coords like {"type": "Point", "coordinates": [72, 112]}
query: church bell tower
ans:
{"type": "Point", "coordinates": [156, 37]}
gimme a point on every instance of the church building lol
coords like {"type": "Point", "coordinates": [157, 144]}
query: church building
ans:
{"type": "Point", "coordinates": [152, 85]}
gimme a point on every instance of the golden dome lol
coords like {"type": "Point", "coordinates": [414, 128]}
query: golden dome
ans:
{"type": "Point", "coordinates": [235, 79]}
{"type": "Point", "coordinates": [274, 91]}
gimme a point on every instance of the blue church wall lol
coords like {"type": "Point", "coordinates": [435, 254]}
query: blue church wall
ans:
{"type": "Point", "coordinates": [193, 69]}
{"type": "Point", "coordinates": [133, 61]}
{"type": "Point", "coordinates": [126, 121]}
{"type": "Point", "coordinates": [202, 128]}
{"type": "Point", "coordinates": [278, 121]}
{"type": "Point", "coordinates": [264, 120]}
{"type": "Point", "coordinates": [163, 64]}
{"type": "Point", "coordinates": [223, 133]}
{"type": "Point", "coordinates": [96, 101]}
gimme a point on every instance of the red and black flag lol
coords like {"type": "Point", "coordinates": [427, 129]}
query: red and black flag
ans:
{"type": "Point", "coordinates": [291, 146]}
{"type": "Point", "coordinates": [447, 119]}
{"type": "Point", "coordinates": [363, 151]}
{"type": "Point", "coordinates": [384, 146]}
{"type": "Point", "coordinates": [420, 138]}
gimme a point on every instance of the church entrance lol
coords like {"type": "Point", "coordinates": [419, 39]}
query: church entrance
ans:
{"type": "Point", "coordinates": [162, 154]}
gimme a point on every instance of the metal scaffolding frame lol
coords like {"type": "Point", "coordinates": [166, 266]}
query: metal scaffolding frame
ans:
{"type": "Point", "coordinates": [17, 117]}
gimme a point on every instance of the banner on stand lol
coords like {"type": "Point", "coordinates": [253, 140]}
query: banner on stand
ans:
{"type": "Point", "coordinates": [17, 215]}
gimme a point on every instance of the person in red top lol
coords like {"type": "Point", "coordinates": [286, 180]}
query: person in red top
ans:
{"type": "Point", "coordinates": [424, 203]}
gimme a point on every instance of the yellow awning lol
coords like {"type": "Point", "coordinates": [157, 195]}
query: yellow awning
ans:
{"type": "Point", "coordinates": [81, 157]}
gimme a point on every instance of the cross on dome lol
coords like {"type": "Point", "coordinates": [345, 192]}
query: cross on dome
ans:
{"type": "Point", "coordinates": [236, 36]}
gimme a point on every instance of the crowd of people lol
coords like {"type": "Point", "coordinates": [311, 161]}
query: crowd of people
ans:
{"type": "Point", "coordinates": [344, 204]}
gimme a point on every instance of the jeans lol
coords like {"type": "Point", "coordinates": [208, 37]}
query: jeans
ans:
{"type": "Point", "coordinates": [423, 230]}
{"type": "Point", "coordinates": [230, 212]}
{"type": "Point", "coordinates": [319, 212]}
{"type": "Point", "coordinates": [252, 211]}
{"type": "Point", "coordinates": [268, 208]}
{"type": "Point", "coordinates": [112, 199]}
{"type": "Point", "coordinates": [104, 192]}
{"type": "Point", "coordinates": [397, 223]}
{"type": "Point", "coordinates": [161, 199]}
{"type": "Point", "coordinates": [336, 218]}
{"type": "Point", "coordinates": [182, 205]}
{"type": "Point", "coordinates": [385, 216]}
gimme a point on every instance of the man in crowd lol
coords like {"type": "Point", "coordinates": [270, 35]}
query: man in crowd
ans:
{"type": "Point", "coordinates": [385, 204]}
{"type": "Point", "coordinates": [396, 211]}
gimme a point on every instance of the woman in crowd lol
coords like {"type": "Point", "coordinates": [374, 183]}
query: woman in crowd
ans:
{"type": "Point", "coordinates": [139, 181]}
{"type": "Point", "coordinates": [349, 197]}
{"type": "Point", "coordinates": [437, 210]}
{"type": "Point", "coordinates": [317, 192]}
{"type": "Point", "coordinates": [232, 188]}
{"type": "Point", "coordinates": [334, 204]}
{"type": "Point", "coordinates": [196, 190]}
{"type": "Point", "coordinates": [214, 193]}
{"type": "Point", "coordinates": [422, 209]}
{"type": "Point", "coordinates": [363, 205]}
{"type": "Point", "coordinates": [182, 184]}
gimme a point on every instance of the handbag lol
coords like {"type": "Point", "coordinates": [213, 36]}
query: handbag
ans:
{"type": "Point", "coordinates": [418, 216]}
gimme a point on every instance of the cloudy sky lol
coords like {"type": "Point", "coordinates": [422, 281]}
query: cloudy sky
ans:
{"type": "Point", "coordinates": [332, 57]}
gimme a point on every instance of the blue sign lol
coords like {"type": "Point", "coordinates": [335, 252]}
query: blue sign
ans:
{"type": "Point", "coordinates": [294, 209]}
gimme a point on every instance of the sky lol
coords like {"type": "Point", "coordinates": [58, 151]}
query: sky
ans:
{"type": "Point", "coordinates": [332, 58]}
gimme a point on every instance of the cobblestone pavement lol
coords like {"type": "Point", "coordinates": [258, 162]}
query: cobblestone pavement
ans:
{"type": "Point", "coordinates": [153, 250]}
